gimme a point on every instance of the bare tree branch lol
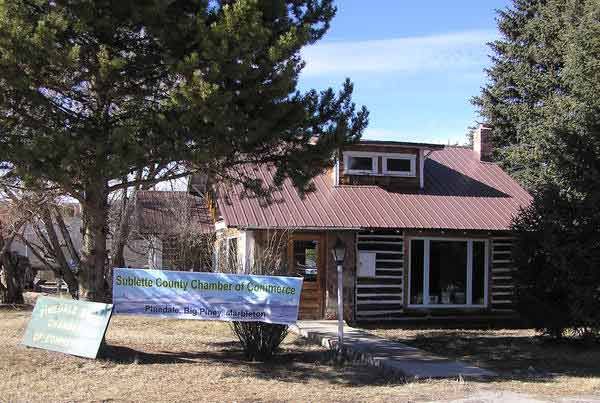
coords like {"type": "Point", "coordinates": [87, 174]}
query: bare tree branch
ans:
{"type": "Point", "coordinates": [65, 269]}
{"type": "Point", "coordinates": [148, 182]}
{"type": "Point", "coordinates": [45, 242]}
{"type": "Point", "coordinates": [66, 236]}
{"type": "Point", "coordinates": [38, 254]}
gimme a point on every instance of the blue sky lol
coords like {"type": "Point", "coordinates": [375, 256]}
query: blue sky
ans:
{"type": "Point", "coordinates": [414, 64]}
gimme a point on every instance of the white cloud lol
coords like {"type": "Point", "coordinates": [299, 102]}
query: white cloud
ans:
{"type": "Point", "coordinates": [452, 51]}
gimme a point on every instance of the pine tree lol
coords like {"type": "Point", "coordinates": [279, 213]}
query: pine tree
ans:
{"type": "Point", "coordinates": [96, 96]}
{"type": "Point", "coordinates": [542, 101]}
{"type": "Point", "coordinates": [541, 98]}
{"type": "Point", "coordinates": [525, 71]}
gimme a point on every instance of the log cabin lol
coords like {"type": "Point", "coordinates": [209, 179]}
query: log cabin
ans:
{"type": "Point", "coordinates": [426, 229]}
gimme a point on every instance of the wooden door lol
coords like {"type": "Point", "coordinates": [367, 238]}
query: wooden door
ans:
{"type": "Point", "coordinates": [306, 260]}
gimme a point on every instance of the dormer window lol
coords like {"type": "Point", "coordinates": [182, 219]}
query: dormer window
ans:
{"type": "Point", "coordinates": [400, 165]}
{"type": "Point", "coordinates": [379, 164]}
{"type": "Point", "coordinates": [393, 165]}
{"type": "Point", "coordinates": [360, 163]}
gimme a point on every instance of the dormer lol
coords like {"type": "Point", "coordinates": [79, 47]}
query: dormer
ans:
{"type": "Point", "coordinates": [391, 164]}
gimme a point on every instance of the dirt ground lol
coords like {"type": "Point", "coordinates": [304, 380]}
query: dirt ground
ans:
{"type": "Point", "coordinates": [177, 360]}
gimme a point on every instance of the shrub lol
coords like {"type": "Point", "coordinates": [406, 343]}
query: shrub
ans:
{"type": "Point", "coordinates": [557, 257]}
{"type": "Point", "coordinates": [259, 340]}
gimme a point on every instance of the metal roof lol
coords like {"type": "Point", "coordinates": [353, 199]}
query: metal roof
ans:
{"type": "Point", "coordinates": [460, 193]}
{"type": "Point", "coordinates": [162, 212]}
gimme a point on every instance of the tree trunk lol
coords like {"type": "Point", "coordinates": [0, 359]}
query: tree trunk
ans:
{"type": "Point", "coordinates": [3, 293]}
{"type": "Point", "coordinates": [92, 282]}
{"type": "Point", "coordinates": [12, 281]}
{"type": "Point", "coordinates": [11, 292]}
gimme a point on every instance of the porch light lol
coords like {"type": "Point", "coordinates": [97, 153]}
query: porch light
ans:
{"type": "Point", "coordinates": [339, 253]}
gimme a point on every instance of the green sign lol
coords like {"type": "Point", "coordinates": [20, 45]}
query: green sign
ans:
{"type": "Point", "coordinates": [68, 326]}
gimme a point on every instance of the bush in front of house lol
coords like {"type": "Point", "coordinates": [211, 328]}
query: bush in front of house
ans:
{"type": "Point", "coordinates": [260, 341]}
{"type": "Point", "coordinates": [557, 258]}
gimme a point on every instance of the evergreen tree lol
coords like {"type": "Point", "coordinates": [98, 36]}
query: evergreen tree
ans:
{"type": "Point", "coordinates": [97, 96]}
{"type": "Point", "coordinates": [542, 100]}
{"type": "Point", "coordinates": [525, 71]}
{"type": "Point", "coordinates": [558, 264]}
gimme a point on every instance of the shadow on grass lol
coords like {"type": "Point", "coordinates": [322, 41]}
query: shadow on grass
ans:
{"type": "Point", "coordinates": [294, 363]}
{"type": "Point", "coordinates": [16, 307]}
{"type": "Point", "coordinates": [513, 356]}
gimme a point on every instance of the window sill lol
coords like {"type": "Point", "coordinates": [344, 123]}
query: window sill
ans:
{"type": "Point", "coordinates": [443, 306]}
{"type": "Point", "coordinates": [364, 173]}
{"type": "Point", "coordinates": [400, 174]}
{"type": "Point", "coordinates": [367, 173]}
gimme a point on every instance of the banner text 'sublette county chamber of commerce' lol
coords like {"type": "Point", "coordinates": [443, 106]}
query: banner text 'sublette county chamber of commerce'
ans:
{"type": "Point", "coordinates": [206, 296]}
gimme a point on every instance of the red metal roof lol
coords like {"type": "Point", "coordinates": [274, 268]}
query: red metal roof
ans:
{"type": "Point", "coordinates": [460, 193]}
{"type": "Point", "coordinates": [163, 211]}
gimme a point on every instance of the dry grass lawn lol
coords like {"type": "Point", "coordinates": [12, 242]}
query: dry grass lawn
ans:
{"type": "Point", "coordinates": [177, 360]}
{"type": "Point", "coordinates": [525, 362]}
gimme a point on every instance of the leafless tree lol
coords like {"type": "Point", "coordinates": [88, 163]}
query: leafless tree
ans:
{"type": "Point", "coordinates": [175, 230]}
{"type": "Point", "coordinates": [50, 240]}
{"type": "Point", "coordinates": [48, 230]}
{"type": "Point", "coordinates": [35, 216]}
{"type": "Point", "coordinates": [270, 258]}
{"type": "Point", "coordinates": [261, 340]}
{"type": "Point", "coordinates": [11, 289]}
{"type": "Point", "coordinates": [17, 209]}
{"type": "Point", "coordinates": [122, 204]}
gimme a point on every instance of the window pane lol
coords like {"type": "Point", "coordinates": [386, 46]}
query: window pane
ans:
{"type": "Point", "coordinates": [398, 165]}
{"type": "Point", "coordinates": [448, 272]}
{"type": "Point", "coordinates": [360, 163]}
{"type": "Point", "coordinates": [478, 272]}
{"type": "Point", "coordinates": [416, 271]}
{"type": "Point", "coordinates": [305, 259]}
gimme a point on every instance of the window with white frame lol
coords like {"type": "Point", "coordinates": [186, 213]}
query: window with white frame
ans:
{"type": "Point", "coordinates": [367, 163]}
{"type": "Point", "coordinates": [400, 165]}
{"type": "Point", "coordinates": [448, 272]}
{"type": "Point", "coordinates": [360, 163]}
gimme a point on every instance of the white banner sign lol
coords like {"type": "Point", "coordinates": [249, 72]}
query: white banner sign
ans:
{"type": "Point", "coordinates": [206, 296]}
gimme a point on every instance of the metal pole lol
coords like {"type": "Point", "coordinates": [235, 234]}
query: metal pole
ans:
{"type": "Point", "coordinates": [340, 304]}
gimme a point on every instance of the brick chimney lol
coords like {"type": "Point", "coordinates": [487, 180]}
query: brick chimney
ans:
{"type": "Point", "coordinates": [482, 143]}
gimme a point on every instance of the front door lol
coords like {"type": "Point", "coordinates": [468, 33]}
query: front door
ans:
{"type": "Point", "coordinates": [306, 259]}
